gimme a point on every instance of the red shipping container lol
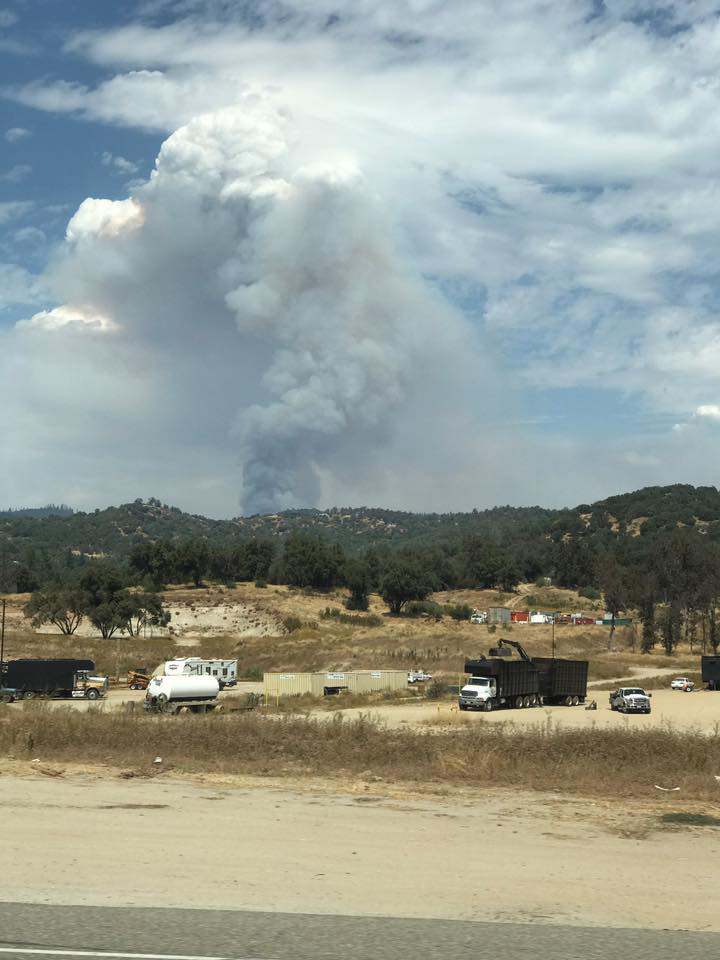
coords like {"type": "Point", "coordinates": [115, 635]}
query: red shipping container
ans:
{"type": "Point", "coordinates": [519, 616]}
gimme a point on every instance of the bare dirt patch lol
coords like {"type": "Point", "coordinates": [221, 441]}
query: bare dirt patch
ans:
{"type": "Point", "coordinates": [313, 848]}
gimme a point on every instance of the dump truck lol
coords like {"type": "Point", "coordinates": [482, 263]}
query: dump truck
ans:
{"type": "Point", "coordinates": [54, 678]}
{"type": "Point", "coordinates": [499, 681]}
{"type": "Point", "coordinates": [711, 672]}
{"type": "Point", "coordinates": [562, 681]}
{"type": "Point", "coordinates": [170, 694]}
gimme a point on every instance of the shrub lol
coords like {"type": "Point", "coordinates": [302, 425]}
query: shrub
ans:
{"type": "Point", "coordinates": [292, 624]}
{"type": "Point", "coordinates": [590, 593]}
{"type": "Point", "coordinates": [261, 584]}
{"type": "Point", "coordinates": [437, 689]}
{"type": "Point", "coordinates": [357, 603]}
{"type": "Point", "coordinates": [356, 619]}
{"type": "Point", "coordinates": [459, 611]}
{"type": "Point", "coordinates": [418, 608]}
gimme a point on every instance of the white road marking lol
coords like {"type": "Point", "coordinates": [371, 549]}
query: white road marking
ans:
{"type": "Point", "coordinates": [104, 953]}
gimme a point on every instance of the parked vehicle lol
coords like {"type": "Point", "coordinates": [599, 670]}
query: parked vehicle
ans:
{"type": "Point", "coordinates": [169, 694]}
{"type": "Point", "coordinates": [711, 672]}
{"type": "Point", "coordinates": [224, 670]}
{"type": "Point", "coordinates": [630, 700]}
{"type": "Point", "coordinates": [682, 683]}
{"type": "Point", "coordinates": [7, 695]}
{"type": "Point", "coordinates": [55, 678]}
{"type": "Point", "coordinates": [562, 681]}
{"type": "Point", "coordinates": [418, 676]}
{"type": "Point", "coordinates": [138, 679]}
{"type": "Point", "coordinates": [498, 681]}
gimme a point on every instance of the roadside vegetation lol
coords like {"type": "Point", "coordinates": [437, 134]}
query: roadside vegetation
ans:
{"type": "Point", "coordinates": [597, 762]}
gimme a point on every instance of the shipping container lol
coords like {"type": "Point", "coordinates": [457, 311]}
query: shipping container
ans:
{"type": "Point", "coordinates": [711, 672]}
{"type": "Point", "coordinates": [519, 616]}
{"type": "Point", "coordinates": [324, 683]}
{"type": "Point", "coordinates": [374, 681]}
{"type": "Point", "coordinates": [562, 681]}
{"type": "Point", "coordinates": [292, 684]}
{"type": "Point", "coordinates": [514, 678]}
{"type": "Point", "coordinates": [499, 615]}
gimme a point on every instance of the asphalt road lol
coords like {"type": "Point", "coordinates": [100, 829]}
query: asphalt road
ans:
{"type": "Point", "coordinates": [38, 932]}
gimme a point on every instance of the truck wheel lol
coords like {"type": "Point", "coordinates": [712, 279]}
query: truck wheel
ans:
{"type": "Point", "coordinates": [568, 701]}
{"type": "Point", "coordinates": [7, 698]}
{"type": "Point", "coordinates": [29, 695]}
{"type": "Point", "coordinates": [92, 694]}
{"type": "Point", "coordinates": [489, 706]}
{"type": "Point", "coordinates": [576, 701]}
{"type": "Point", "coordinates": [519, 702]}
{"type": "Point", "coordinates": [462, 706]}
{"type": "Point", "coordinates": [533, 701]}
{"type": "Point", "coordinates": [527, 702]}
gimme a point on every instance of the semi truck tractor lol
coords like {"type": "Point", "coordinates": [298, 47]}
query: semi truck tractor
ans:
{"type": "Point", "coordinates": [497, 681]}
{"type": "Point", "coordinates": [54, 678]}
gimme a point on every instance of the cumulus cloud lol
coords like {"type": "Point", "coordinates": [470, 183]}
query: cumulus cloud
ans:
{"type": "Point", "coordinates": [366, 215]}
{"type": "Point", "coordinates": [281, 268]}
{"type": "Point", "coordinates": [104, 218]}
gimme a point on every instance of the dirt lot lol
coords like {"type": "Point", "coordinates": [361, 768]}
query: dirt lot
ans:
{"type": "Point", "coordinates": [688, 711]}
{"type": "Point", "coordinates": [370, 848]}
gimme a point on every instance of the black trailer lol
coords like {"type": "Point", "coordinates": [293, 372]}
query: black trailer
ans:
{"type": "Point", "coordinates": [517, 681]}
{"type": "Point", "coordinates": [562, 681]}
{"type": "Point", "coordinates": [53, 678]}
{"type": "Point", "coordinates": [711, 672]}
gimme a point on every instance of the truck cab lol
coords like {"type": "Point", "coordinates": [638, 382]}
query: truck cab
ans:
{"type": "Point", "coordinates": [89, 686]}
{"type": "Point", "coordinates": [630, 700]}
{"type": "Point", "coordinates": [478, 693]}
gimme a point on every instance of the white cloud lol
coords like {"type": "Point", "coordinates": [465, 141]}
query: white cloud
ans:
{"type": "Point", "coordinates": [549, 170]}
{"type": "Point", "coordinates": [16, 134]}
{"type": "Point", "coordinates": [120, 164]}
{"type": "Point", "coordinates": [17, 286]}
{"type": "Point", "coordinates": [104, 217]}
{"type": "Point", "coordinates": [15, 174]}
{"type": "Point", "coordinates": [14, 209]}
{"type": "Point", "coordinates": [81, 319]}
{"type": "Point", "coordinates": [710, 411]}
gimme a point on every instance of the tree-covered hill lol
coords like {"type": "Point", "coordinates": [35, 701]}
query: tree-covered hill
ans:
{"type": "Point", "coordinates": [116, 530]}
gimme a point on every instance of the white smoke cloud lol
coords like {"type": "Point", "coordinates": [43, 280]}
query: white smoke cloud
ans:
{"type": "Point", "coordinates": [282, 264]}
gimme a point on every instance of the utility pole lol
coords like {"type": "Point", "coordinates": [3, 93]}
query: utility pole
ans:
{"type": "Point", "coordinates": [2, 640]}
{"type": "Point", "coordinates": [553, 637]}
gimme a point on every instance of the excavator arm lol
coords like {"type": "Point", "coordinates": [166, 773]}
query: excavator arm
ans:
{"type": "Point", "coordinates": [518, 646]}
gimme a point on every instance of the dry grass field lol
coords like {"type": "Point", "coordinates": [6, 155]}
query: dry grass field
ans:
{"type": "Point", "coordinates": [280, 628]}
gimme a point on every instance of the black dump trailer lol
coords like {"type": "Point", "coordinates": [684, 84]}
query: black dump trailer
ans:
{"type": "Point", "coordinates": [517, 681]}
{"type": "Point", "coordinates": [562, 681]}
{"type": "Point", "coordinates": [44, 677]}
{"type": "Point", "coordinates": [711, 672]}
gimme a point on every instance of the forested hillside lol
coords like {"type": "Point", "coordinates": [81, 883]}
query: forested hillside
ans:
{"type": "Point", "coordinates": [655, 550]}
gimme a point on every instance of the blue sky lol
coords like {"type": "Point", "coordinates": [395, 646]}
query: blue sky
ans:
{"type": "Point", "coordinates": [295, 254]}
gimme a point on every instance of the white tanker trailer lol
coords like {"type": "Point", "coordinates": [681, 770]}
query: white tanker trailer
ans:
{"type": "Point", "coordinates": [169, 694]}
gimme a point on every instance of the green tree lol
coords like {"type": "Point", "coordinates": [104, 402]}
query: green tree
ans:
{"type": "Point", "coordinates": [104, 597]}
{"type": "Point", "coordinates": [141, 609]}
{"type": "Point", "coordinates": [359, 583]}
{"type": "Point", "coordinates": [404, 580]}
{"type": "Point", "coordinates": [60, 604]}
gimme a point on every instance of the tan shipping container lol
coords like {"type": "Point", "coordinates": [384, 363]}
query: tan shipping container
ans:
{"type": "Point", "coordinates": [356, 681]}
{"type": "Point", "coordinates": [373, 681]}
{"type": "Point", "coordinates": [292, 684]}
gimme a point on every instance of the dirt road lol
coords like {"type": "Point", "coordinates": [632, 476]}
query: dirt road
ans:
{"type": "Point", "coordinates": [696, 711]}
{"type": "Point", "coordinates": [367, 849]}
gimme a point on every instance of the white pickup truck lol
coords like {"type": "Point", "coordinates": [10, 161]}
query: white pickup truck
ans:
{"type": "Point", "coordinates": [630, 700]}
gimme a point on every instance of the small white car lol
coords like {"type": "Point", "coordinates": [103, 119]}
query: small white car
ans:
{"type": "Point", "coordinates": [682, 683]}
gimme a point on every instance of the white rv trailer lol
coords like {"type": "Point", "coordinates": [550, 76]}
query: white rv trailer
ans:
{"type": "Point", "coordinates": [225, 671]}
